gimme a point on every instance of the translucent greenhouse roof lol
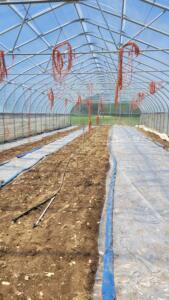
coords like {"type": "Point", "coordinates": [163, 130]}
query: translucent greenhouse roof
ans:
{"type": "Point", "coordinates": [96, 30]}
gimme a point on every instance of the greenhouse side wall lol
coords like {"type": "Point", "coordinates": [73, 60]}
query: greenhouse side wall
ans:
{"type": "Point", "coordinates": [14, 126]}
{"type": "Point", "coordinates": [157, 121]}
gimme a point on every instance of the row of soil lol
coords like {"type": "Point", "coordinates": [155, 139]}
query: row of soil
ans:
{"type": "Point", "coordinates": [58, 259]}
{"type": "Point", "coordinates": [10, 153]}
{"type": "Point", "coordinates": [155, 138]}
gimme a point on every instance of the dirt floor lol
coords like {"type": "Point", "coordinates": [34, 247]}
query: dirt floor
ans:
{"type": "Point", "coordinates": [58, 259]}
{"type": "Point", "coordinates": [155, 138]}
{"type": "Point", "coordinates": [8, 154]}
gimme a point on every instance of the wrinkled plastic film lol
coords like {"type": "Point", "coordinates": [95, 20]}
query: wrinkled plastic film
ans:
{"type": "Point", "coordinates": [17, 165]}
{"type": "Point", "coordinates": [31, 139]}
{"type": "Point", "coordinates": [141, 217]}
{"type": "Point", "coordinates": [104, 281]}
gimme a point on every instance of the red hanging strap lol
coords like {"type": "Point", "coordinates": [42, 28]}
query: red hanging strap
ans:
{"type": "Point", "coordinates": [141, 96]}
{"type": "Point", "coordinates": [51, 98]}
{"type": "Point", "coordinates": [139, 99]}
{"type": "Point", "coordinates": [97, 120]}
{"type": "Point", "coordinates": [79, 101]}
{"type": "Point", "coordinates": [116, 95]}
{"type": "Point", "coordinates": [129, 69]}
{"type": "Point", "coordinates": [119, 84]}
{"type": "Point", "coordinates": [135, 102]}
{"type": "Point", "coordinates": [60, 66]}
{"type": "Point", "coordinates": [152, 87]}
{"type": "Point", "coordinates": [3, 70]}
{"type": "Point", "coordinates": [89, 107]}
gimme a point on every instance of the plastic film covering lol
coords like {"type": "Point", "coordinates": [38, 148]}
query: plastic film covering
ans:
{"type": "Point", "coordinates": [141, 217]}
{"type": "Point", "coordinates": [32, 139]}
{"type": "Point", "coordinates": [17, 165]}
{"type": "Point", "coordinates": [104, 282]}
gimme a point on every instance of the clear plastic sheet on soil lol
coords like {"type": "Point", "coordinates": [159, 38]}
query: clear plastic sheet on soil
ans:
{"type": "Point", "coordinates": [32, 139]}
{"type": "Point", "coordinates": [104, 281]}
{"type": "Point", "coordinates": [18, 165]}
{"type": "Point", "coordinates": [141, 217]}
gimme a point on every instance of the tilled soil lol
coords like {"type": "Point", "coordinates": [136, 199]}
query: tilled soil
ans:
{"type": "Point", "coordinates": [58, 259]}
{"type": "Point", "coordinates": [155, 138]}
{"type": "Point", "coordinates": [10, 153]}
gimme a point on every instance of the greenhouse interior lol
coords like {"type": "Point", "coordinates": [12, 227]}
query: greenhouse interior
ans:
{"type": "Point", "coordinates": [84, 141]}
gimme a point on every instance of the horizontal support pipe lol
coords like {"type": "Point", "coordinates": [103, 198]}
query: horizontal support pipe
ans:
{"type": "Point", "coordinates": [90, 52]}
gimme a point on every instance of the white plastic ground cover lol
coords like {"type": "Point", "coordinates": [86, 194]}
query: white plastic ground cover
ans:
{"type": "Point", "coordinates": [104, 281]}
{"type": "Point", "coordinates": [141, 217]}
{"type": "Point", "coordinates": [163, 136]}
{"type": "Point", "coordinates": [17, 165]}
{"type": "Point", "coordinates": [32, 139]}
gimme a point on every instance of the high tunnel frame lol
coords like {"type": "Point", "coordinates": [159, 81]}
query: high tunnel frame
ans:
{"type": "Point", "coordinates": [96, 31]}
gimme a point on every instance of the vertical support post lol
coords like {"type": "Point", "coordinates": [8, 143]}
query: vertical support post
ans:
{"type": "Point", "coordinates": [22, 114]}
{"type": "Point", "coordinates": [3, 118]}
